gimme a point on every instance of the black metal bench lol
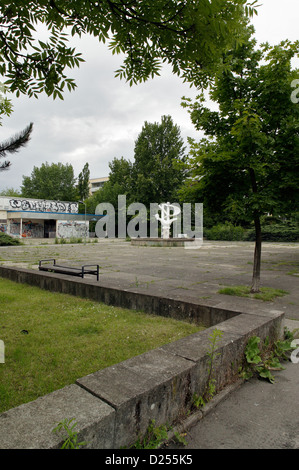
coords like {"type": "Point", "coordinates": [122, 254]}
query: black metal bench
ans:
{"type": "Point", "coordinates": [72, 270]}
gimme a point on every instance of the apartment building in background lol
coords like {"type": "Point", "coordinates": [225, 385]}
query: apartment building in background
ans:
{"type": "Point", "coordinates": [97, 183]}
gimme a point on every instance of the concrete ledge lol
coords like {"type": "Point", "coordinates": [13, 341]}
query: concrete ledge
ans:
{"type": "Point", "coordinates": [115, 405]}
{"type": "Point", "coordinates": [170, 242]}
{"type": "Point", "coordinates": [30, 426]}
{"type": "Point", "coordinates": [154, 385]}
{"type": "Point", "coordinates": [145, 299]}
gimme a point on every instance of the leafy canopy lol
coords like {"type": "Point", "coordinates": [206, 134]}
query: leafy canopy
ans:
{"type": "Point", "coordinates": [155, 175]}
{"type": "Point", "coordinates": [83, 182]}
{"type": "Point", "coordinates": [55, 181]}
{"type": "Point", "coordinates": [159, 162]}
{"type": "Point", "coordinates": [190, 35]}
{"type": "Point", "coordinates": [247, 163]}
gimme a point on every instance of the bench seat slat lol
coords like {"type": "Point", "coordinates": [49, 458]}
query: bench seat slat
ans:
{"type": "Point", "coordinates": [71, 270]}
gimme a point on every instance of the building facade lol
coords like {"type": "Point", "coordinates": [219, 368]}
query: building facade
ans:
{"type": "Point", "coordinates": [39, 218]}
{"type": "Point", "coordinates": [97, 183]}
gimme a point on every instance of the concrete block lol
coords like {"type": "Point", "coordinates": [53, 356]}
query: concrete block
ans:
{"type": "Point", "coordinates": [152, 386]}
{"type": "Point", "coordinates": [246, 305]}
{"type": "Point", "coordinates": [228, 352]}
{"type": "Point", "coordinates": [249, 325]}
{"type": "Point", "coordinates": [30, 426]}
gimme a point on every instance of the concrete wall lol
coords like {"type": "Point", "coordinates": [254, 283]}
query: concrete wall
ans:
{"type": "Point", "coordinates": [149, 301]}
{"type": "Point", "coordinates": [72, 228]}
{"type": "Point", "coordinates": [3, 226]}
{"type": "Point", "coordinates": [14, 227]}
{"type": "Point", "coordinates": [114, 406]}
{"type": "Point", "coordinates": [3, 222]}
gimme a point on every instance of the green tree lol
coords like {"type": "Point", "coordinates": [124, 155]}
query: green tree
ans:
{"type": "Point", "coordinates": [247, 164]}
{"type": "Point", "coordinates": [189, 35]}
{"type": "Point", "coordinates": [155, 175]}
{"type": "Point", "coordinates": [11, 192]}
{"type": "Point", "coordinates": [83, 182]}
{"type": "Point", "coordinates": [121, 174]}
{"type": "Point", "coordinates": [119, 182]}
{"type": "Point", "coordinates": [54, 182]}
{"type": "Point", "coordinates": [158, 169]}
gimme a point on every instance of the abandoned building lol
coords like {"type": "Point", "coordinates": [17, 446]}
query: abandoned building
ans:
{"type": "Point", "coordinates": [39, 218]}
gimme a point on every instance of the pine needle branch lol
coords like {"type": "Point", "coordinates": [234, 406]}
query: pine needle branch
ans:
{"type": "Point", "coordinates": [15, 143]}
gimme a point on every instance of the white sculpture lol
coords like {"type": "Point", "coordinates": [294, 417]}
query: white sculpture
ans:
{"type": "Point", "coordinates": [168, 213]}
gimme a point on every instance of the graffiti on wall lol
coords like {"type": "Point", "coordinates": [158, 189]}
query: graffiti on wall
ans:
{"type": "Point", "coordinates": [3, 227]}
{"type": "Point", "coordinates": [32, 229]}
{"type": "Point", "coordinates": [43, 206]}
{"type": "Point", "coordinates": [14, 227]}
{"type": "Point", "coordinates": [67, 229]}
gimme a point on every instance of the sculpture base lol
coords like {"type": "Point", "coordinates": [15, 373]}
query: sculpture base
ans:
{"type": "Point", "coordinates": [161, 241]}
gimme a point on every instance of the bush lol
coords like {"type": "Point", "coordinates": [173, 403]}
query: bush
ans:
{"type": "Point", "coordinates": [7, 240]}
{"type": "Point", "coordinates": [288, 232]}
{"type": "Point", "coordinates": [276, 233]}
{"type": "Point", "coordinates": [228, 232]}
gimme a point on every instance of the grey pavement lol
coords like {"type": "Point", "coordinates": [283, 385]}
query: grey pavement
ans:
{"type": "Point", "coordinates": [256, 415]}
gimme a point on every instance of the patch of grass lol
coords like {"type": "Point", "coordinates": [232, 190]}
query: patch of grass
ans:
{"type": "Point", "coordinates": [266, 293]}
{"type": "Point", "coordinates": [52, 339]}
{"type": "Point", "coordinates": [294, 272]}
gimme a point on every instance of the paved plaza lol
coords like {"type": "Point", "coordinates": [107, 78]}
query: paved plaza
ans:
{"type": "Point", "coordinates": [257, 414]}
{"type": "Point", "coordinates": [186, 274]}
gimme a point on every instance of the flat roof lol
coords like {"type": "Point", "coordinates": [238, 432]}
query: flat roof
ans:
{"type": "Point", "coordinates": [50, 215]}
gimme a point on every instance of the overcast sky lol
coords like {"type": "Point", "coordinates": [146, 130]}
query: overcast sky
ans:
{"type": "Point", "coordinates": [102, 118]}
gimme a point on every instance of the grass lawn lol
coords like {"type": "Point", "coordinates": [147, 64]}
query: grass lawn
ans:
{"type": "Point", "coordinates": [267, 294]}
{"type": "Point", "coordinates": [52, 339]}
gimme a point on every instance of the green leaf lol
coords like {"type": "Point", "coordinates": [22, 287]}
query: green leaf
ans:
{"type": "Point", "coordinates": [252, 351]}
{"type": "Point", "coordinates": [191, 39]}
{"type": "Point", "coordinates": [265, 373]}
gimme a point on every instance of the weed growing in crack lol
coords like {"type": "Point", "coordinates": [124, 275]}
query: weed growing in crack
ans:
{"type": "Point", "coordinates": [210, 388]}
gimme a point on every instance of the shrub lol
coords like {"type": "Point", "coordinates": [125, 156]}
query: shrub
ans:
{"type": "Point", "coordinates": [7, 240]}
{"type": "Point", "coordinates": [288, 232]}
{"type": "Point", "coordinates": [225, 231]}
{"type": "Point", "coordinates": [276, 233]}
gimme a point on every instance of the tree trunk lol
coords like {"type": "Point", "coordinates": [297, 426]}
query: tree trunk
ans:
{"type": "Point", "coordinates": [255, 286]}
{"type": "Point", "coordinates": [256, 276]}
